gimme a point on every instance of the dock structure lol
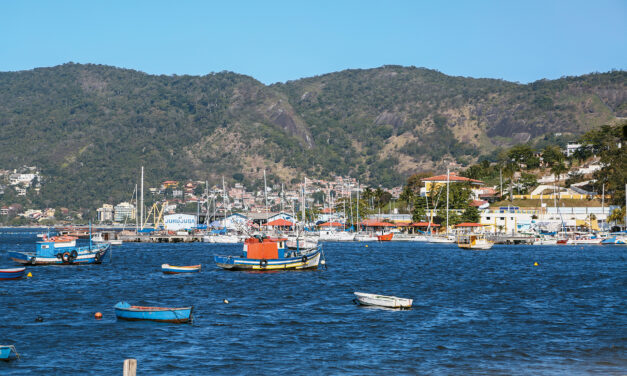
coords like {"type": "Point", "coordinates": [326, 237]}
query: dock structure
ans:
{"type": "Point", "coordinates": [160, 238]}
{"type": "Point", "coordinates": [511, 239]}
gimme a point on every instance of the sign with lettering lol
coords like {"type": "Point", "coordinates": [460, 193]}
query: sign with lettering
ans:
{"type": "Point", "coordinates": [174, 222]}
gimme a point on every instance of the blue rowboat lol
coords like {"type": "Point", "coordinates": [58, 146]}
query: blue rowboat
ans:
{"type": "Point", "coordinates": [171, 269]}
{"type": "Point", "coordinates": [8, 352]}
{"type": "Point", "coordinates": [125, 311]}
{"type": "Point", "coordinates": [268, 254]}
{"type": "Point", "coordinates": [13, 273]}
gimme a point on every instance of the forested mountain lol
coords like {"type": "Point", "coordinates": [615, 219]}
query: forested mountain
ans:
{"type": "Point", "coordinates": [90, 127]}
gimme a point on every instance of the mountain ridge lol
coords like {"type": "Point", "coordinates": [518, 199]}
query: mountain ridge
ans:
{"type": "Point", "coordinates": [89, 127]}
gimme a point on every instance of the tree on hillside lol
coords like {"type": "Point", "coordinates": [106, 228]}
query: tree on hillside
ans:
{"type": "Point", "coordinates": [609, 142]}
{"type": "Point", "coordinates": [552, 154]}
{"type": "Point", "coordinates": [521, 154]}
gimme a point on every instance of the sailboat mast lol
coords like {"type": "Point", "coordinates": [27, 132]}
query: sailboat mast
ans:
{"type": "Point", "coordinates": [141, 205]}
{"type": "Point", "coordinates": [136, 217]}
{"type": "Point", "coordinates": [265, 194]}
{"type": "Point", "coordinates": [224, 203]}
{"type": "Point", "coordinates": [358, 189]}
{"type": "Point", "coordinates": [344, 206]}
{"type": "Point", "coordinates": [304, 199]}
{"type": "Point", "coordinates": [447, 190]}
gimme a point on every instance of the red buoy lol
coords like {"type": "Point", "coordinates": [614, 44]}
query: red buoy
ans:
{"type": "Point", "coordinates": [98, 315]}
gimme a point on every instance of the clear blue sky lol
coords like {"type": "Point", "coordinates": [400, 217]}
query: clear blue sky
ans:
{"type": "Point", "coordinates": [284, 40]}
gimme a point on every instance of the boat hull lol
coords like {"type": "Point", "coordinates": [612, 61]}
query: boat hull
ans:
{"type": "Point", "coordinates": [438, 239]}
{"type": "Point", "coordinates": [383, 301]}
{"type": "Point", "coordinates": [84, 255]}
{"type": "Point", "coordinates": [478, 246]}
{"type": "Point", "coordinates": [337, 236]}
{"type": "Point", "coordinates": [306, 261]}
{"type": "Point", "coordinates": [171, 269]}
{"type": "Point", "coordinates": [127, 312]}
{"type": "Point", "coordinates": [385, 237]}
{"type": "Point", "coordinates": [222, 239]}
{"type": "Point", "coordinates": [7, 353]}
{"type": "Point", "coordinates": [13, 273]}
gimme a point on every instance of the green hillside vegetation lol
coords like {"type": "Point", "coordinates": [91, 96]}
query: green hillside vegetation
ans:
{"type": "Point", "coordinates": [89, 128]}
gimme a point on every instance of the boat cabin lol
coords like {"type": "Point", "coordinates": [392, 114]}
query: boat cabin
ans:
{"type": "Point", "coordinates": [265, 248]}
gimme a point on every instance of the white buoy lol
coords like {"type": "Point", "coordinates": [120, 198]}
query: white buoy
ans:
{"type": "Point", "coordinates": [323, 262]}
{"type": "Point", "coordinates": [226, 301]}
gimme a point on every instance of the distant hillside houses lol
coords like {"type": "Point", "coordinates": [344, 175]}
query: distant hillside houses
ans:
{"type": "Point", "coordinates": [21, 180]}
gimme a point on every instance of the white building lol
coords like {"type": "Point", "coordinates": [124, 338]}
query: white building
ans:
{"type": "Point", "coordinates": [511, 220]}
{"type": "Point", "coordinates": [124, 211]}
{"type": "Point", "coordinates": [571, 148]}
{"type": "Point", "coordinates": [105, 213]}
{"type": "Point", "coordinates": [25, 179]}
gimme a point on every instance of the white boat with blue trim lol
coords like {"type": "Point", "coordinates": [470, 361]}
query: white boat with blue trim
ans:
{"type": "Point", "coordinates": [271, 254]}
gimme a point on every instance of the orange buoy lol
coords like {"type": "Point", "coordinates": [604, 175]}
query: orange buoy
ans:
{"type": "Point", "coordinates": [98, 315]}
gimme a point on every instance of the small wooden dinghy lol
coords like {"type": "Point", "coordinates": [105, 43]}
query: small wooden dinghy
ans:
{"type": "Point", "coordinates": [382, 300]}
{"type": "Point", "coordinates": [8, 352]}
{"type": "Point", "coordinates": [171, 269]}
{"type": "Point", "coordinates": [125, 311]}
{"type": "Point", "coordinates": [12, 273]}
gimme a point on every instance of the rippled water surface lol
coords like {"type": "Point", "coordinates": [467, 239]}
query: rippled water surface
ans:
{"type": "Point", "coordinates": [487, 312]}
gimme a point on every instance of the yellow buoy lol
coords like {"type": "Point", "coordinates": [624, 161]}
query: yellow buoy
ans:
{"type": "Point", "coordinates": [366, 245]}
{"type": "Point", "coordinates": [29, 275]}
{"type": "Point", "coordinates": [535, 263]}
{"type": "Point", "coordinates": [98, 315]}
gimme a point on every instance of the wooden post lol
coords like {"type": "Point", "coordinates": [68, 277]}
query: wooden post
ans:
{"type": "Point", "coordinates": [130, 367]}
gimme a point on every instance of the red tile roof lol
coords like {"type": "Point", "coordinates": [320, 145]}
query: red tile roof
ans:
{"type": "Point", "coordinates": [453, 177]}
{"type": "Point", "coordinates": [424, 224]}
{"type": "Point", "coordinates": [477, 203]}
{"type": "Point", "coordinates": [330, 224]}
{"type": "Point", "coordinates": [279, 222]}
{"type": "Point", "coordinates": [469, 224]}
{"type": "Point", "coordinates": [374, 223]}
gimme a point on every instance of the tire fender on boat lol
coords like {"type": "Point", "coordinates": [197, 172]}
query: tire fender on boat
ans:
{"type": "Point", "coordinates": [59, 256]}
{"type": "Point", "coordinates": [263, 263]}
{"type": "Point", "coordinates": [32, 260]}
{"type": "Point", "coordinates": [74, 255]}
{"type": "Point", "coordinates": [304, 259]}
{"type": "Point", "coordinates": [66, 257]}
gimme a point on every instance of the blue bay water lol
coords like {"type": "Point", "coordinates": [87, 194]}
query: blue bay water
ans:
{"type": "Point", "coordinates": [488, 312]}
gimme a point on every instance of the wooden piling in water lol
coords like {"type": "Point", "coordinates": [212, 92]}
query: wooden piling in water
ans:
{"type": "Point", "coordinates": [130, 367]}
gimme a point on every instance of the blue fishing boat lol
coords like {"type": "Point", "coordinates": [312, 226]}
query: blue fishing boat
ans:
{"type": "Point", "coordinates": [125, 311]}
{"type": "Point", "coordinates": [8, 352]}
{"type": "Point", "coordinates": [12, 273]}
{"type": "Point", "coordinates": [61, 251]}
{"type": "Point", "coordinates": [269, 254]}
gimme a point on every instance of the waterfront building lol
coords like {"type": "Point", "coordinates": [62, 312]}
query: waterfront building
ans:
{"type": "Point", "coordinates": [513, 219]}
{"type": "Point", "coordinates": [124, 211]}
{"type": "Point", "coordinates": [105, 213]}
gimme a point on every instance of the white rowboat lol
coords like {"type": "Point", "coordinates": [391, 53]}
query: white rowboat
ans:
{"type": "Point", "coordinates": [382, 300]}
